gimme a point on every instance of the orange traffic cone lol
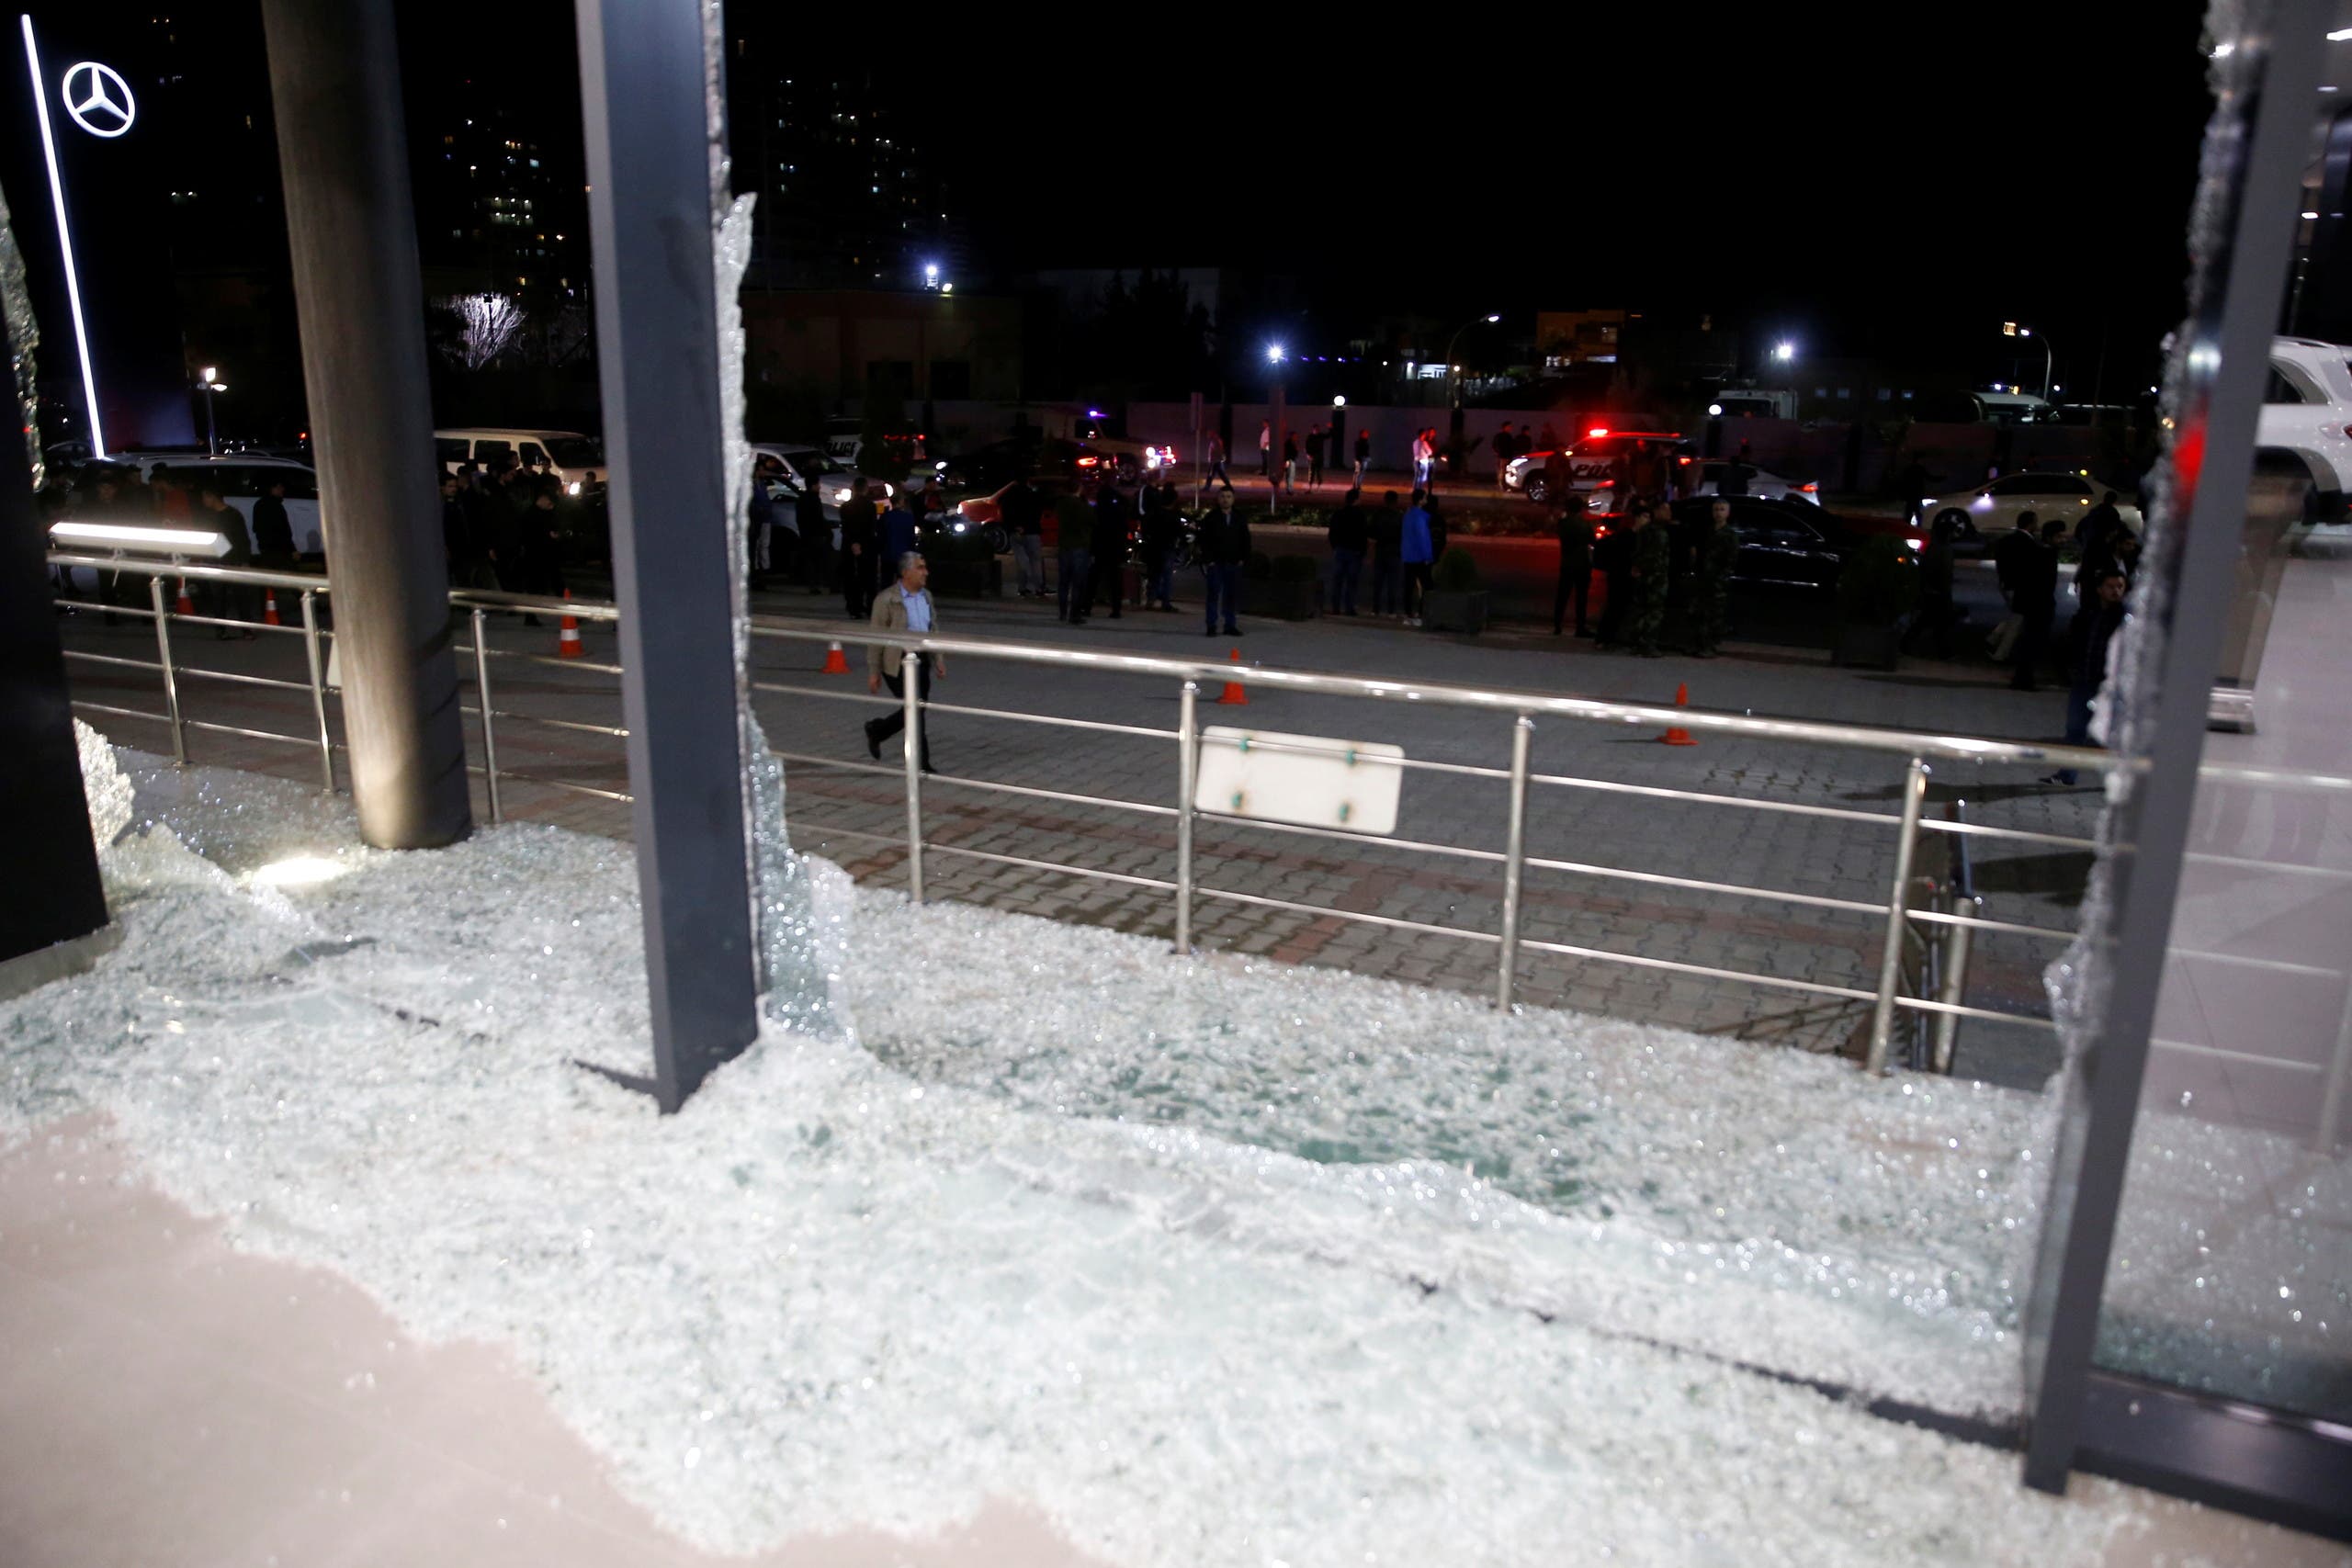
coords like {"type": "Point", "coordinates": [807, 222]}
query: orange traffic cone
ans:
{"type": "Point", "coordinates": [1675, 734]}
{"type": "Point", "coordinates": [185, 605]}
{"type": "Point", "coordinates": [836, 662]}
{"type": "Point", "coordinates": [269, 608]}
{"type": "Point", "coordinates": [1233, 695]}
{"type": "Point", "coordinates": [567, 643]}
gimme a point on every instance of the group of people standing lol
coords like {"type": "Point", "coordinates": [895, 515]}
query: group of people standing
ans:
{"type": "Point", "coordinates": [503, 529]}
{"type": "Point", "coordinates": [1650, 566]}
{"type": "Point", "coordinates": [188, 497]}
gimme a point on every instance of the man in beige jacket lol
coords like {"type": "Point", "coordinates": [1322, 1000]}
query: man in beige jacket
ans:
{"type": "Point", "coordinates": [904, 606]}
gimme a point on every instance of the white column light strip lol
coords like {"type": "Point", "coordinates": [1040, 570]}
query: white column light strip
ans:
{"type": "Point", "coordinates": [65, 238]}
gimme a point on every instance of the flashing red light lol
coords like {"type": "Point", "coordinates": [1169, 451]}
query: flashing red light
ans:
{"type": "Point", "coordinates": [1606, 484]}
{"type": "Point", "coordinates": [1816, 490]}
{"type": "Point", "coordinates": [1686, 462]}
{"type": "Point", "coordinates": [1086, 462]}
{"type": "Point", "coordinates": [1598, 430]}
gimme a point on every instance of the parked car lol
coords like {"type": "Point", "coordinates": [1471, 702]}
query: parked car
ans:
{"type": "Point", "coordinates": [1994, 507]}
{"type": "Point", "coordinates": [576, 460]}
{"type": "Point", "coordinates": [241, 480]}
{"type": "Point", "coordinates": [1589, 461]}
{"type": "Point", "coordinates": [845, 442]}
{"type": "Point", "coordinates": [1782, 542]}
{"type": "Point", "coordinates": [2307, 419]}
{"type": "Point", "coordinates": [1760, 481]}
{"type": "Point", "coordinates": [998, 464]}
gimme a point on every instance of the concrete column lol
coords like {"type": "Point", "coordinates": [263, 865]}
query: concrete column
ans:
{"type": "Point", "coordinates": [335, 86]}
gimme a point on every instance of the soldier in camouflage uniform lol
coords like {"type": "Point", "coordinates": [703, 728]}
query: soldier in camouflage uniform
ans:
{"type": "Point", "coordinates": [1652, 567]}
{"type": "Point", "coordinates": [1711, 585]}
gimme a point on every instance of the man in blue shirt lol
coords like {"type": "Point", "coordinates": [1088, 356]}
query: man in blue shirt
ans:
{"type": "Point", "coordinates": [898, 530]}
{"type": "Point", "coordinates": [1414, 550]}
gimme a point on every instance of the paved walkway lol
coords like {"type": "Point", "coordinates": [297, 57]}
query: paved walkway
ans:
{"type": "Point", "coordinates": [859, 818]}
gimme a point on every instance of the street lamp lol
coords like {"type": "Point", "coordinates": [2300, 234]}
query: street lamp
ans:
{"type": "Point", "coordinates": [1453, 370]}
{"type": "Point", "coordinates": [210, 381]}
{"type": "Point", "coordinates": [1784, 351]}
{"type": "Point", "coordinates": [1273, 354]}
{"type": "Point", "coordinates": [2049, 361]}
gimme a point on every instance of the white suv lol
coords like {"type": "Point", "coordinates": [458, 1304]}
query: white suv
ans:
{"type": "Point", "coordinates": [2307, 415]}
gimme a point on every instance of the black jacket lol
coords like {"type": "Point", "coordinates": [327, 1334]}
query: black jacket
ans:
{"type": "Point", "coordinates": [1022, 512]}
{"type": "Point", "coordinates": [273, 535]}
{"type": "Point", "coordinates": [1349, 529]}
{"type": "Point", "coordinates": [1225, 538]}
{"type": "Point", "coordinates": [2093, 629]}
{"type": "Point", "coordinates": [1161, 523]}
{"type": "Point", "coordinates": [858, 524]}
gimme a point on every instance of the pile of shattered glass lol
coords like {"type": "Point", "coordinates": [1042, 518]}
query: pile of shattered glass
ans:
{"type": "Point", "coordinates": [1205, 1260]}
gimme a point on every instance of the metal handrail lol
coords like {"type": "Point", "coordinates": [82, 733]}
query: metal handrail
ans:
{"type": "Point", "coordinates": [1524, 707]}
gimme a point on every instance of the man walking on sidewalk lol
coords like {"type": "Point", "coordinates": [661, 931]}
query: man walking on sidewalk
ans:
{"type": "Point", "coordinates": [861, 541]}
{"type": "Point", "coordinates": [905, 606]}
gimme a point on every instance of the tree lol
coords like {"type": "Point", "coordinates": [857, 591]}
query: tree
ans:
{"type": "Point", "coordinates": [488, 322]}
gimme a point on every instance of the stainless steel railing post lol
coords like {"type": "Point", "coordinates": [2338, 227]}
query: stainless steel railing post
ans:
{"type": "Point", "coordinates": [910, 691]}
{"type": "Point", "coordinates": [171, 681]}
{"type": "Point", "coordinates": [1514, 862]}
{"type": "Point", "coordinates": [1890, 964]}
{"type": "Point", "coordinates": [1188, 765]}
{"type": "Point", "coordinates": [489, 729]}
{"type": "Point", "coordinates": [317, 689]}
{"type": "Point", "coordinates": [1955, 986]}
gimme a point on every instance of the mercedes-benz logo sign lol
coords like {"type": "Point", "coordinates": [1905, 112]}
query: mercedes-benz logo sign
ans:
{"type": "Point", "coordinates": [99, 99]}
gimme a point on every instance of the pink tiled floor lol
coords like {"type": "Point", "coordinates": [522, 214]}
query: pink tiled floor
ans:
{"type": "Point", "coordinates": [168, 1403]}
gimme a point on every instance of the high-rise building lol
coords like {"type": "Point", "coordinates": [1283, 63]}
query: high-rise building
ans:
{"type": "Point", "coordinates": [849, 196]}
{"type": "Point", "coordinates": [496, 199]}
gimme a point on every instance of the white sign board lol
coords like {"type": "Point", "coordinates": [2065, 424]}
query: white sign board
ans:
{"type": "Point", "coordinates": [1307, 778]}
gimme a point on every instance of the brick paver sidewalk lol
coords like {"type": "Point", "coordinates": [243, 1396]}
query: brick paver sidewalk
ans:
{"type": "Point", "coordinates": [859, 818]}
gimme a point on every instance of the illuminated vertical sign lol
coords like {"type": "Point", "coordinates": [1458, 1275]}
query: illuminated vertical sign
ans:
{"type": "Point", "coordinates": [111, 110]}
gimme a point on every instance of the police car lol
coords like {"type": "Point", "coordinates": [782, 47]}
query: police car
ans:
{"type": "Point", "coordinates": [1590, 461]}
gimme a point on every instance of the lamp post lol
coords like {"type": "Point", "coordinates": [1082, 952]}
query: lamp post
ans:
{"type": "Point", "coordinates": [1453, 371]}
{"type": "Point", "coordinates": [1274, 357]}
{"type": "Point", "coordinates": [210, 381]}
{"type": "Point", "coordinates": [2049, 360]}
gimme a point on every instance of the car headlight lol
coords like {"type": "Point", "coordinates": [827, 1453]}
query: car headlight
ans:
{"type": "Point", "coordinates": [571, 488]}
{"type": "Point", "coordinates": [956, 528]}
{"type": "Point", "coordinates": [841, 496]}
{"type": "Point", "coordinates": [939, 468]}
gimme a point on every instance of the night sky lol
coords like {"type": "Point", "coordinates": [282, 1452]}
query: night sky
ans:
{"type": "Point", "coordinates": [2002, 161]}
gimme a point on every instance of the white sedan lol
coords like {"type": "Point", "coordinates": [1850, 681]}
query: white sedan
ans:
{"type": "Point", "coordinates": [1996, 506]}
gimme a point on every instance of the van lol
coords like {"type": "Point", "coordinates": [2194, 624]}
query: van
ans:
{"type": "Point", "coordinates": [576, 460]}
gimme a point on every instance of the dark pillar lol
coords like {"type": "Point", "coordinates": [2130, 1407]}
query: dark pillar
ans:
{"type": "Point", "coordinates": [335, 86]}
{"type": "Point", "coordinates": [657, 332]}
{"type": "Point", "coordinates": [46, 857]}
{"type": "Point", "coordinates": [2252, 172]}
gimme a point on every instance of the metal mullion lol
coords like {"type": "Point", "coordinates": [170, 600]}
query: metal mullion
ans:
{"type": "Point", "coordinates": [122, 713]}
{"type": "Point", "coordinates": [1978, 923]}
{"type": "Point", "coordinates": [1320, 911]}
{"type": "Point", "coordinates": [1639, 961]}
{"type": "Point", "coordinates": [1367, 840]}
{"type": "Point", "coordinates": [111, 658]}
{"type": "Point", "coordinates": [1697, 885]}
{"type": "Point", "coordinates": [230, 675]}
{"type": "Point", "coordinates": [1146, 808]}
{"type": "Point", "coordinates": [551, 723]}
{"type": "Point", "coordinates": [933, 847]}
{"type": "Point", "coordinates": [250, 734]}
{"type": "Point", "coordinates": [1053, 719]}
{"type": "Point", "coordinates": [106, 609]}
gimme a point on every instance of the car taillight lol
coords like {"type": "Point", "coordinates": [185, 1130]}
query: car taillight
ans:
{"type": "Point", "coordinates": [1810, 488]}
{"type": "Point", "coordinates": [1606, 484]}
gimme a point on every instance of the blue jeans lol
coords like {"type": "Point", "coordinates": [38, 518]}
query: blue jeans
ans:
{"type": "Point", "coordinates": [1223, 588]}
{"type": "Point", "coordinates": [1161, 588]}
{"type": "Point", "coordinates": [2078, 721]}
{"type": "Point", "coordinates": [1073, 574]}
{"type": "Point", "coordinates": [1346, 567]}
